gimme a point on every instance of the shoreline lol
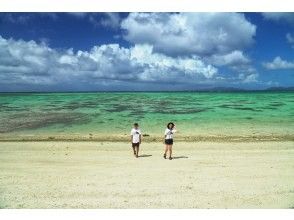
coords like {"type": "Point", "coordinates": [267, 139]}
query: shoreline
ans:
{"type": "Point", "coordinates": [148, 139]}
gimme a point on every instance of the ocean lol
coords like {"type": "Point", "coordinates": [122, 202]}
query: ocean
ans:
{"type": "Point", "coordinates": [113, 113]}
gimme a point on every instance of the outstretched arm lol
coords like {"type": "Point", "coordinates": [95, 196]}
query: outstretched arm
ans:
{"type": "Point", "coordinates": [175, 130]}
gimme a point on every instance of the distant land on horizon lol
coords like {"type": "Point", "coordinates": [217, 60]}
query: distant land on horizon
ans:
{"type": "Point", "coordinates": [214, 89]}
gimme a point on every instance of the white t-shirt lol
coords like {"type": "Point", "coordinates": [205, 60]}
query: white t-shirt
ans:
{"type": "Point", "coordinates": [169, 133]}
{"type": "Point", "coordinates": [136, 135]}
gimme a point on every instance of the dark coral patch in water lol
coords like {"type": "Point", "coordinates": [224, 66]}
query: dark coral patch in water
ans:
{"type": "Point", "coordinates": [239, 107]}
{"type": "Point", "coordinates": [8, 108]}
{"type": "Point", "coordinates": [248, 109]}
{"type": "Point", "coordinates": [34, 120]}
{"type": "Point", "coordinates": [74, 105]}
{"type": "Point", "coordinates": [230, 105]}
{"type": "Point", "coordinates": [272, 108]}
{"type": "Point", "coordinates": [277, 104]}
{"type": "Point", "coordinates": [180, 111]}
{"type": "Point", "coordinates": [117, 108]}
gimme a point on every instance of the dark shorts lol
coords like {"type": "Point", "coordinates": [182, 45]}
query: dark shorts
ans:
{"type": "Point", "coordinates": [135, 144]}
{"type": "Point", "coordinates": [169, 141]}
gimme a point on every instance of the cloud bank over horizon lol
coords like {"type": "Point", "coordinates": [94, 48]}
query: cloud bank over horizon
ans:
{"type": "Point", "coordinates": [155, 51]}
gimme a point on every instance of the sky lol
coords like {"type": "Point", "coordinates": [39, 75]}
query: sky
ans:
{"type": "Point", "coordinates": [145, 51]}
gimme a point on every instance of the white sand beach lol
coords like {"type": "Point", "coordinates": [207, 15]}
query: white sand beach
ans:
{"type": "Point", "coordinates": [107, 175]}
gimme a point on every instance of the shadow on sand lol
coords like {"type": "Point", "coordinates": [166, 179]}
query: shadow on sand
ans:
{"type": "Point", "coordinates": [145, 155]}
{"type": "Point", "coordinates": [180, 157]}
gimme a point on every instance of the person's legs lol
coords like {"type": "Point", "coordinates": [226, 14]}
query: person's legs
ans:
{"type": "Point", "coordinates": [170, 148]}
{"type": "Point", "coordinates": [133, 146]}
{"type": "Point", "coordinates": [165, 151]}
{"type": "Point", "coordinates": [137, 150]}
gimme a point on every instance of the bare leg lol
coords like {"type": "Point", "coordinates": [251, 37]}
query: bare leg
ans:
{"type": "Point", "coordinates": [165, 151]}
{"type": "Point", "coordinates": [134, 150]}
{"type": "Point", "coordinates": [137, 151]}
{"type": "Point", "coordinates": [170, 150]}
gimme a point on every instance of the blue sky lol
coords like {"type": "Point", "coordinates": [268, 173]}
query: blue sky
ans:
{"type": "Point", "coordinates": [145, 51]}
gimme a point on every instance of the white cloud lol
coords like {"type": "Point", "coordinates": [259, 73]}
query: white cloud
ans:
{"type": "Point", "coordinates": [290, 39]}
{"type": "Point", "coordinates": [236, 57]}
{"type": "Point", "coordinates": [107, 19]}
{"type": "Point", "coordinates": [173, 68]}
{"type": "Point", "coordinates": [239, 63]}
{"type": "Point", "coordinates": [246, 73]}
{"type": "Point", "coordinates": [111, 20]}
{"type": "Point", "coordinates": [279, 16]}
{"type": "Point", "coordinates": [279, 63]}
{"type": "Point", "coordinates": [183, 33]}
{"type": "Point", "coordinates": [23, 62]}
{"type": "Point", "coordinates": [249, 78]}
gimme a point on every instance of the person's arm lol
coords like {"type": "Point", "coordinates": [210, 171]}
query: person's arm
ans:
{"type": "Point", "coordinates": [174, 130]}
{"type": "Point", "coordinates": [132, 136]}
{"type": "Point", "coordinates": [140, 138]}
{"type": "Point", "coordinates": [165, 133]}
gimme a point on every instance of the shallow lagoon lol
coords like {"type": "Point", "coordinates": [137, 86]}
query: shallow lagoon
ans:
{"type": "Point", "coordinates": [111, 113]}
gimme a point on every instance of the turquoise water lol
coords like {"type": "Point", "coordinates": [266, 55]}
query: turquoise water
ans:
{"type": "Point", "coordinates": [114, 113]}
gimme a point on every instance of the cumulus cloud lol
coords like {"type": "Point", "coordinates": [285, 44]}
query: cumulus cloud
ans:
{"type": "Point", "coordinates": [191, 67]}
{"type": "Point", "coordinates": [27, 62]}
{"type": "Point", "coordinates": [279, 63]}
{"type": "Point", "coordinates": [111, 20]}
{"type": "Point", "coordinates": [165, 47]}
{"type": "Point", "coordinates": [290, 39]}
{"type": "Point", "coordinates": [248, 78]}
{"type": "Point", "coordinates": [178, 34]}
{"type": "Point", "coordinates": [107, 19]}
{"type": "Point", "coordinates": [246, 73]}
{"type": "Point", "coordinates": [280, 16]}
{"type": "Point", "coordinates": [236, 57]}
{"type": "Point", "coordinates": [239, 63]}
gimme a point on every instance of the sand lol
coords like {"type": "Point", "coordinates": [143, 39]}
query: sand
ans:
{"type": "Point", "coordinates": [106, 175]}
{"type": "Point", "coordinates": [116, 137]}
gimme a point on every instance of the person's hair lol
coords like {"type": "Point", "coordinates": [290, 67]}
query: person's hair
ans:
{"type": "Point", "coordinates": [170, 123]}
{"type": "Point", "coordinates": [136, 124]}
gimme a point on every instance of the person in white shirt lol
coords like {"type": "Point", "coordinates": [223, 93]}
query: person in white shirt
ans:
{"type": "Point", "coordinates": [136, 139]}
{"type": "Point", "coordinates": [168, 139]}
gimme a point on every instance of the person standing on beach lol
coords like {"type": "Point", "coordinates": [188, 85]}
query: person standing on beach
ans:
{"type": "Point", "coordinates": [136, 139]}
{"type": "Point", "coordinates": [168, 139]}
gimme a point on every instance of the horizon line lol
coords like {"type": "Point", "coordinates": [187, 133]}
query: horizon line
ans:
{"type": "Point", "coordinates": [285, 89]}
